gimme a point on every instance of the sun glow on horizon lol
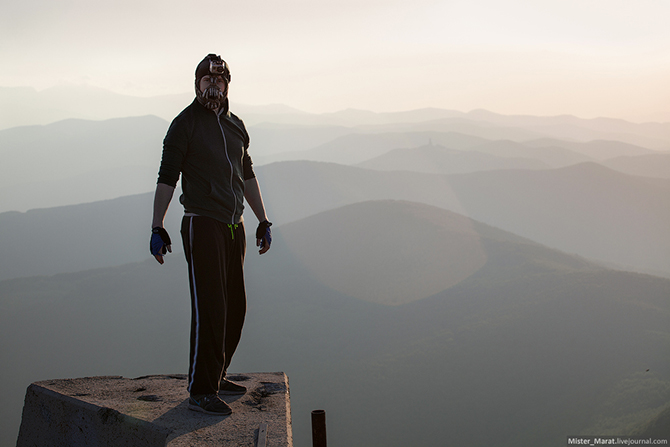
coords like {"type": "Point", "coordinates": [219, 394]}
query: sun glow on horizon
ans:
{"type": "Point", "coordinates": [603, 58]}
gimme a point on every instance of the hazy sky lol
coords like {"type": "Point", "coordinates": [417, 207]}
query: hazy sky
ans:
{"type": "Point", "coordinates": [584, 57]}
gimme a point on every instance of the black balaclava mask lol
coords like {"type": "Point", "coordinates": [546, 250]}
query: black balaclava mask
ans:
{"type": "Point", "coordinates": [213, 97]}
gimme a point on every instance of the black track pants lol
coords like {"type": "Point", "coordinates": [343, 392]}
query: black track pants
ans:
{"type": "Point", "coordinates": [215, 255]}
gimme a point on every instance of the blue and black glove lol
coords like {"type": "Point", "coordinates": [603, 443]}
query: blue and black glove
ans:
{"type": "Point", "coordinates": [264, 233]}
{"type": "Point", "coordinates": [159, 241]}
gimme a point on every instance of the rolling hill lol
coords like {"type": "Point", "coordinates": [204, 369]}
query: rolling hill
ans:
{"type": "Point", "coordinates": [585, 209]}
{"type": "Point", "coordinates": [532, 346]}
{"type": "Point", "coordinates": [553, 156]}
{"type": "Point", "coordinates": [358, 147]}
{"type": "Point", "coordinates": [77, 237]}
{"type": "Point", "coordinates": [392, 252]}
{"type": "Point", "coordinates": [74, 161]}
{"type": "Point", "coordinates": [650, 165]}
{"type": "Point", "coordinates": [438, 159]}
{"type": "Point", "coordinates": [594, 149]}
{"type": "Point", "coordinates": [409, 323]}
{"type": "Point", "coordinates": [297, 189]}
{"type": "Point", "coordinates": [24, 106]}
{"type": "Point", "coordinates": [59, 239]}
{"type": "Point", "coordinates": [270, 139]}
{"type": "Point", "coordinates": [568, 127]}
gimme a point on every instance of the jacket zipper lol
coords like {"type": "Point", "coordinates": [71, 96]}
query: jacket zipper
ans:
{"type": "Point", "coordinates": [225, 148]}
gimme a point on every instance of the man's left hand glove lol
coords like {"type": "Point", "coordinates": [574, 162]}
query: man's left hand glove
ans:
{"type": "Point", "coordinates": [264, 236]}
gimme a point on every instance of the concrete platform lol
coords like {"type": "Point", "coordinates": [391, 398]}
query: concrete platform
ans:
{"type": "Point", "coordinates": [152, 411]}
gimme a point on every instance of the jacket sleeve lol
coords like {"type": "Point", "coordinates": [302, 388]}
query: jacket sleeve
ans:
{"type": "Point", "coordinates": [175, 146]}
{"type": "Point", "coordinates": [247, 166]}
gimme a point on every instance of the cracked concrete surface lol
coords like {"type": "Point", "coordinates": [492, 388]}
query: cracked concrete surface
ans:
{"type": "Point", "coordinates": [152, 411]}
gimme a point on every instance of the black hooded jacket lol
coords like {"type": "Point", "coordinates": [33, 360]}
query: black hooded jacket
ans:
{"type": "Point", "coordinates": [211, 153]}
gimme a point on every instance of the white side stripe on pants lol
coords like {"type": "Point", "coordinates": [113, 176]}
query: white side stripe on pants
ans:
{"type": "Point", "coordinates": [195, 303]}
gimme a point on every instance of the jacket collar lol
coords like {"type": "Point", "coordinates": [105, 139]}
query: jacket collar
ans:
{"type": "Point", "coordinates": [225, 112]}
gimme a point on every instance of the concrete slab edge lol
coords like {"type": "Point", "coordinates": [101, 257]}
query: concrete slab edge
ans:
{"type": "Point", "coordinates": [55, 420]}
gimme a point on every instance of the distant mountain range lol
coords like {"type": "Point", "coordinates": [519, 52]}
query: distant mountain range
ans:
{"type": "Point", "coordinates": [593, 149]}
{"type": "Point", "coordinates": [649, 165]}
{"type": "Point", "coordinates": [78, 237]}
{"type": "Point", "coordinates": [438, 159]}
{"type": "Point", "coordinates": [26, 106]}
{"type": "Point", "coordinates": [23, 106]}
{"type": "Point", "coordinates": [76, 161]}
{"type": "Point", "coordinates": [528, 345]}
{"type": "Point", "coordinates": [435, 274]}
{"type": "Point", "coordinates": [585, 209]}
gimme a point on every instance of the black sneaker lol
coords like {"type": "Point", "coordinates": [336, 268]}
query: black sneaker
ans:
{"type": "Point", "coordinates": [209, 403]}
{"type": "Point", "coordinates": [228, 387]}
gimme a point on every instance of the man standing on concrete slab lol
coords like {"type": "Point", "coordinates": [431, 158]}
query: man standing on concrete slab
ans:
{"type": "Point", "coordinates": [208, 146]}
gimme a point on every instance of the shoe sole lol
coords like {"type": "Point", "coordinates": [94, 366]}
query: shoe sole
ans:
{"type": "Point", "coordinates": [202, 410]}
{"type": "Point", "coordinates": [232, 393]}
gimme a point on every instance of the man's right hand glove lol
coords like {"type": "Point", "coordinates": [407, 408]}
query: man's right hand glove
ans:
{"type": "Point", "coordinates": [264, 236]}
{"type": "Point", "coordinates": [160, 242]}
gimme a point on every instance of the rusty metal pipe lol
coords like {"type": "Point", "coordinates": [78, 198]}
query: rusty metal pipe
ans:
{"type": "Point", "coordinates": [318, 428]}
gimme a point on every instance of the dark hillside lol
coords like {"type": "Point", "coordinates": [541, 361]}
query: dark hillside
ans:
{"type": "Point", "coordinates": [533, 346]}
{"type": "Point", "coordinates": [394, 252]}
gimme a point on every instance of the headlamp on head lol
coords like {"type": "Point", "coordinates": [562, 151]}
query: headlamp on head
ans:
{"type": "Point", "coordinates": [218, 67]}
{"type": "Point", "coordinates": [212, 64]}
